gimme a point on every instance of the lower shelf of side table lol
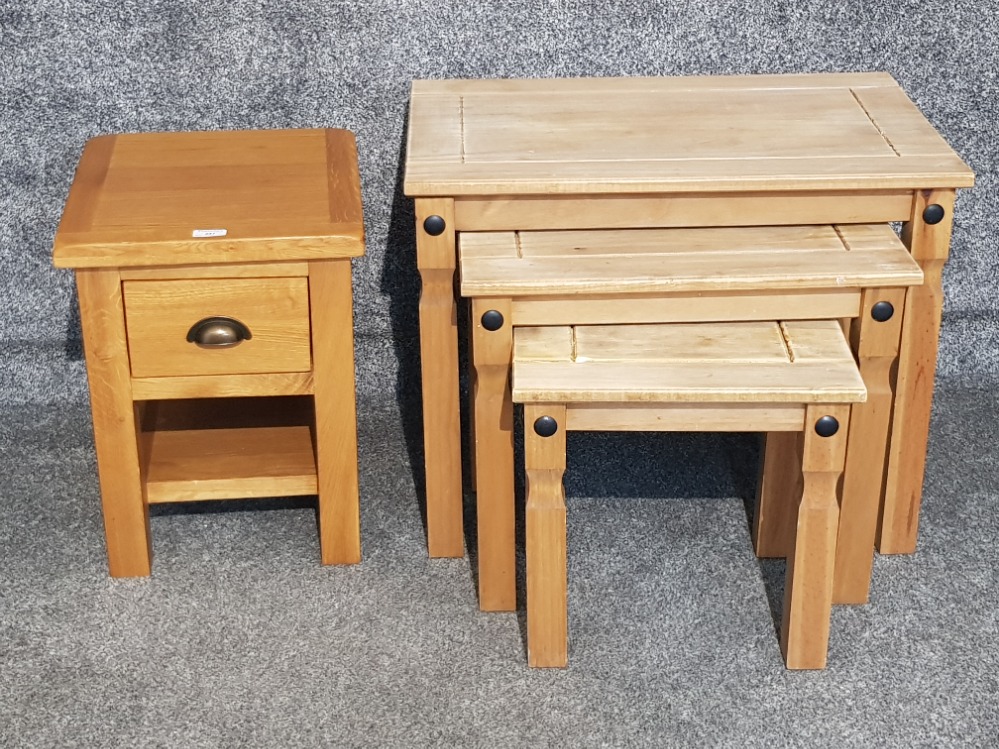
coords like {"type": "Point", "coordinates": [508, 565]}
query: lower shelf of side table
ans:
{"type": "Point", "coordinates": [239, 448]}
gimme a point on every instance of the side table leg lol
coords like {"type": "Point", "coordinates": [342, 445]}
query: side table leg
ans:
{"type": "Point", "coordinates": [804, 634]}
{"type": "Point", "coordinates": [435, 257]}
{"type": "Point", "coordinates": [929, 245]}
{"type": "Point", "coordinates": [335, 433]}
{"type": "Point", "coordinates": [874, 340]}
{"type": "Point", "coordinates": [470, 405]}
{"type": "Point", "coordinates": [547, 582]}
{"type": "Point", "coordinates": [493, 437]}
{"type": "Point", "coordinates": [777, 494]}
{"type": "Point", "coordinates": [126, 514]}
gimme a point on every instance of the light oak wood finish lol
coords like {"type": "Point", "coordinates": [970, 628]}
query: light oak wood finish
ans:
{"type": "Point", "coordinates": [561, 377]}
{"type": "Point", "coordinates": [195, 465]}
{"type": "Point", "coordinates": [222, 386]}
{"type": "Point", "coordinates": [126, 515]}
{"type": "Point", "coordinates": [929, 245]}
{"type": "Point", "coordinates": [575, 154]}
{"type": "Point", "coordinates": [289, 205]}
{"type": "Point", "coordinates": [335, 433]}
{"type": "Point", "coordinates": [279, 194]}
{"type": "Point", "coordinates": [232, 270]}
{"type": "Point", "coordinates": [159, 315]}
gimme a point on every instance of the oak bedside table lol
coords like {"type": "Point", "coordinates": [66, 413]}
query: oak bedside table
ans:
{"type": "Point", "coordinates": [214, 280]}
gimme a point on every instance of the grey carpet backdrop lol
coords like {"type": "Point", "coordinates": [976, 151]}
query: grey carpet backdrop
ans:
{"type": "Point", "coordinates": [240, 638]}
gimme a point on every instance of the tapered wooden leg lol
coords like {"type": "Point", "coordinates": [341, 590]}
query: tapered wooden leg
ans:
{"type": "Point", "coordinates": [804, 636]}
{"type": "Point", "coordinates": [929, 245]}
{"type": "Point", "coordinates": [492, 350]}
{"type": "Point", "coordinates": [439, 363]}
{"type": "Point", "coordinates": [335, 432]}
{"type": "Point", "coordinates": [126, 513]}
{"type": "Point", "coordinates": [778, 492]}
{"type": "Point", "coordinates": [874, 339]}
{"type": "Point", "coordinates": [547, 604]}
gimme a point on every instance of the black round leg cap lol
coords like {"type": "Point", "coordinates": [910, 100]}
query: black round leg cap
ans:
{"type": "Point", "coordinates": [882, 311]}
{"type": "Point", "coordinates": [492, 320]}
{"type": "Point", "coordinates": [827, 426]}
{"type": "Point", "coordinates": [933, 214]}
{"type": "Point", "coordinates": [434, 225]}
{"type": "Point", "coordinates": [545, 426]}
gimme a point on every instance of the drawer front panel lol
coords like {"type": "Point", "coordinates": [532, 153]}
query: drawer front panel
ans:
{"type": "Point", "coordinates": [159, 315]}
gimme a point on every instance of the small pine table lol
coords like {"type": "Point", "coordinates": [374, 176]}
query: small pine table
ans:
{"type": "Point", "coordinates": [214, 279]}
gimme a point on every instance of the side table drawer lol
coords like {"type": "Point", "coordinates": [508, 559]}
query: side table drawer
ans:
{"type": "Point", "coordinates": [274, 311]}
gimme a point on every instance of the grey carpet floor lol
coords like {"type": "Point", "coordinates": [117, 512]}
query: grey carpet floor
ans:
{"type": "Point", "coordinates": [241, 638]}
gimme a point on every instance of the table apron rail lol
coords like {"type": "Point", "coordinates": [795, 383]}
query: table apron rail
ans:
{"type": "Point", "coordinates": [819, 304]}
{"type": "Point", "coordinates": [681, 209]}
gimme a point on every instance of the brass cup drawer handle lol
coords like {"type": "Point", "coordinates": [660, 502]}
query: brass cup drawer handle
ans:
{"type": "Point", "coordinates": [218, 332]}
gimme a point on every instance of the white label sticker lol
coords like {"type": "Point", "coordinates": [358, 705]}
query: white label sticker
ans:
{"type": "Point", "coordinates": [199, 233]}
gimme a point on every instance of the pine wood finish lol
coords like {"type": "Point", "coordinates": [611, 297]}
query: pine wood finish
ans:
{"type": "Point", "coordinates": [660, 261]}
{"type": "Point", "coordinates": [808, 592]}
{"type": "Point", "coordinates": [929, 245]}
{"type": "Point", "coordinates": [285, 213]}
{"type": "Point", "coordinates": [493, 435]}
{"type": "Point", "coordinates": [700, 209]}
{"type": "Point", "coordinates": [435, 260]}
{"type": "Point", "coordinates": [677, 276]}
{"type": "Point", "coordinates": [547, 597]}
{"type": "Point", "coordinates": [777, 494]}
{"type": "Point", "coordinates": [794, 133]}
{"type": "Point", "coordinates": [876, 344]}
{"type": "Point", "coordinates": [729, 151]}
{"type": "Point", "coordinates": [811, 304]}
{"type": "Point", "coordinates": [557, 369]}
{"type": "Point", "coordinates": [761, 362]}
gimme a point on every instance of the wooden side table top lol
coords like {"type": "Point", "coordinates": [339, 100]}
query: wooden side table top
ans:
{"type": "Point", "coordinates": [212, 198]}
{"type": "Point", "coordinates": [839, 131]}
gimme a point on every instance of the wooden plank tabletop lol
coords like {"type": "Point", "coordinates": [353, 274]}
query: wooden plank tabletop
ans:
{"type": "Point", "coordinates": [630, 261]}
{"type": "Point", "coordinates": [145, 199]}
{"type": "Point", "coordinates": [742, 362]}
{"type": "Point", "coordinates": [691, 134]}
